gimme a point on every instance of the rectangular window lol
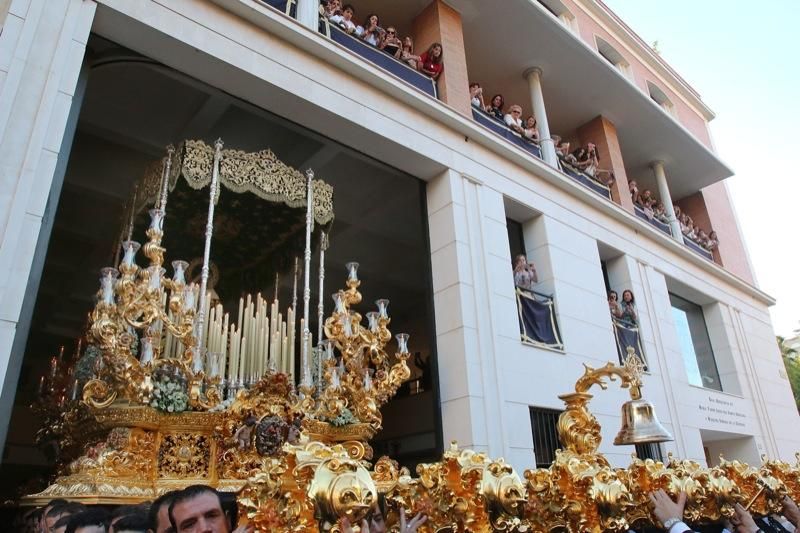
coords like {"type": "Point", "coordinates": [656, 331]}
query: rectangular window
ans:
{"type": "Point", "coordinates": [651, 450]}
{"type": "Point", "coordinates": [544, 424]}
{"type": "Point", "coordinates": [698, 356]}
{"type": "Point", "coordinates": [516, 241]}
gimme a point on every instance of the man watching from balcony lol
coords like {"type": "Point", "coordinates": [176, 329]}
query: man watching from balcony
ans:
{"type": "Point", "coordinates": [476, 95]}
{"type": "Point", "coordinates": [345, 20]}
{"type": "Point", "coordinates": [513, 119]}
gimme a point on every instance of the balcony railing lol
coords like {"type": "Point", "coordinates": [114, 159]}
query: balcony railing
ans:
{"type": "Point", "coordinates": [537, 319]}
{"type": "Point", "coordinates": [696, 248]}
{"type": "Point", "coordinates": [652, 220]}
{"type": "Point", "coordinates": [626, 334]}
{"type": "Point", "coordinates": [380, 58]}
{"type": "Point", "coordinates": [501, 129]}
{"type": "Point", "coordinates": [585, 179]}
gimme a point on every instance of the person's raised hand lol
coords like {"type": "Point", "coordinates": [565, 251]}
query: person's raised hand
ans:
{"type": "Point", "coordinates": [664, 508]}
{"type": "Point", "coordinates": [411, 526]}
{"type": "Point", "coordinates": [791, 511]}
{"type": "Point", "coordinates": [743, 520]}
{"type": "Point", "coordinates": [347, 527]}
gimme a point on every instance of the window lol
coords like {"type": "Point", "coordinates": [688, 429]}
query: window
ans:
{"type": "Point", "coordinates": [544, 424]}
{"type": "Point", "coordinates": [560, 11]}
{"type": "Point", "coordinates": [698, 356]}
{"type": "Point", "coordinates": [614, 57]}
{"type": "Point", "coordinates": [660, 98]}
{"type": "Point", "coordinates": [516, 241]}
{"type": "Point", "coordinates": [650, 450]}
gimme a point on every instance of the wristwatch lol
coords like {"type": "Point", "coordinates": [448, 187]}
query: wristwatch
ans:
{"type": "Point", "coordinates": [669, 522]}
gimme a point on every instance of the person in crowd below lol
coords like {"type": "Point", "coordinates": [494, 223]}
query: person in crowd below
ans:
{"type": "Point", "coordinates": [633, 188]}
{"type": "Point", "coordinates": [476, 95]}
{"type": "Point", "coordinates": [495, 107]}
{"type": "Point", "coordinates": [332, 9]}
{"type": "Point", "coordinates": [525, 276]}
{"type": "Point", "coordinates": [391, 43]}
{"type": "Point", "coordinates": [628, 307]}
{"type": "Point", "coordinates": [93, 520]}
{"type": "Point", "coordinates": [407, 55]}
{"type": "Point", "coordinates": [59, 511]}
{"type": "Point", "coordinates": [131, 523]}
{"type": "Point", "coordinates": [373, 33]}
{"type": "Point", "coordinates": [158, 515]}
{"type": "Point", "coordinates": [377, 523]}
{"type": "Point", "coordinates": [199, 508]}
{"type": "Point", "coordinates": [613, 304]}
{"type": "Point", "coordinates": [712, 241]}
{"type": "Point", "coordinates": [513, 119]}
{"type": "Point", "coordinates": [531, 131]}
{"type": "Point", "coordinates": [345, 20]}
{"type": "Point", "coordinates": [123, 511]}
{"type": "Point", "coordinates": [44, 527]}
{"type": "Point", "coordinates": [431, 61]}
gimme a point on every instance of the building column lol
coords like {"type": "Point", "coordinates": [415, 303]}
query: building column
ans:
{"type": "Point", "coordinates": [308, 13]}
{"type": "Point", "coordinates": [440, 23]}
{"type": "Point", "coordinates": [603, 133]}
{"type": "Point", "coordinates": [43, 45]}
{"type": "Point", "coordinates": [534, 77]}
{"type": "Point", "coordinates": [666, 199]}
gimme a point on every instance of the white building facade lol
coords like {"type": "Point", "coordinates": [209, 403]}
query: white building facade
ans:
{"type": "Point", "coordinates": [490, 384]}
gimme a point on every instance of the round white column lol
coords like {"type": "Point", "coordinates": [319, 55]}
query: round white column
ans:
{"type": "Point", "coordinates": [666, 199]}
{"type": "Point", "coordinates": [534, 77]}
{"type": "Point", "coordinates": [308, 13]}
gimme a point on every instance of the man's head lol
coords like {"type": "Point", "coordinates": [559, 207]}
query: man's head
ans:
{"type": "Point", "coordinates": [89, 521]}
{"type": "Point", "coordinates": [43, 517]}
{"type": "Point", "coordinates": [130, 523]}
{"type": "Point", "coordinates": [198, 509]}
{"type": "Point", "coordinates": [158, 516]}
{"type": "Point", "coordinates": [57, 511]}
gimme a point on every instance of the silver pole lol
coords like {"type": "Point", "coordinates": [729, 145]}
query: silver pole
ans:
{"type": "Point", "coordinates": [198, 356]}
{"type": "Point", "coordinates": [323, 245]}
{"type": "Point", "coordinates": [306, 368]}
{"type": "Point", "coordinates": [294, 288]}
{"type": "Point", "coordinates": [162, 200]}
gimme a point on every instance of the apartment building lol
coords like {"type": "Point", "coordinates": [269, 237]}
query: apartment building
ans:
{"type": "Point", "coordinates": [432, 195]}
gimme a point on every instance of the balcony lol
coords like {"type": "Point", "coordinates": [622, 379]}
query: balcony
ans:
{"type": "Point", "coordinates": [653, 221]}
{"type": "Point", "coordinates": [499, 128]}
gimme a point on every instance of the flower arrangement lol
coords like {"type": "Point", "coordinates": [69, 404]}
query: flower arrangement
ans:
{"type": "Point", "coordinates": [170, 391]}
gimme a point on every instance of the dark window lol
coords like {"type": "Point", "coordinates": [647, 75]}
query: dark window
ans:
{"type": "Point", "coordinates": [650, 450]}
{"type": "Point", "coordinates": [604, 267]}
{"type": "Point", "coordinates": [698, 356]}
{"type": "Point", "coordinates": [544, 424]}
{"type": "Point", "coordinates": [515, 239]}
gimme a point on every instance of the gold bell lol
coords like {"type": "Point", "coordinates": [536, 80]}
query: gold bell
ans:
{"type": "Point", "coordinates": [640, 424]}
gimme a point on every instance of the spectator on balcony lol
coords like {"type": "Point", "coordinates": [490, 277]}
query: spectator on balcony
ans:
{"type": "Point", "coordinates": [647, 203]}
{"type": "Point", "coordinates": [562, 148]}
{"type": "Point", "coordinates": [513, 119]}
{"type": "Point", "coordinates": [633, 188]}
{"type": "Point", "coordinates": [495, 107]}
{"type": "Point", "coordinates": [430, 62]}
{"type": "Point", "coordinates": [660, 212]}
{"type": "Point", "coordinates": [712, 242]}
{"type": "Point", "coordinates": [628, 307]}
{"type": "Point", "coordinates": [406, 54]}
{"type": "Point", "coordinates": [476, 95]}
{"type": "Point", "coordinates": [332, 9]}
{"type": "Point", "coordinates": [373, 33]}
{"type": "Point", "coordinates": [531, 130]}
{"type": "Point", "coordinates": [345, 20]}
{"type": "Point", "coordinates": [587, 161]}
{"type": "Point", "coordinates": [525, 276]}
{"type": "Point", "coordinates": [391, 43]}
{"type": "Point", "coordinates": [613, 304]}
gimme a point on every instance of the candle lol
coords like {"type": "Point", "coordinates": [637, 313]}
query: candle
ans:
{"type": "Point", "coordinates": [383, 306]}
{"type": "Point", "coordinates": [352, 271]}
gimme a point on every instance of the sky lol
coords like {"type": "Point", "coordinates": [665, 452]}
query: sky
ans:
{"type": "Point", "coordinates": [743, 59]}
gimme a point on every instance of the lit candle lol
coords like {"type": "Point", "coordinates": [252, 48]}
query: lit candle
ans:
{"type": "Point", "coordinates": [372, 319]}
{"type": "Point", "coordinates": [179, 271]}
{"type": "Point", "coordinates": [383, 307]}
{"type": "Point", "coordinates": [146, 352]}
{"type": "Point", "coordinates": [108, 276]}
{"type": "Point", "coordinates": [129, 249]}
{"type": "Point", "coordinates": [74, 394]}
{"type": "Point", "coordinates": [156, 219]}
{"type": "Point", "coordinates": [40, 388]}
{"type": "Point", "coordinates": [352, 271]}
{"type": "Point", "coordinates": [338, 302]}
{"type": "Point", "coordinates": [402, 342]}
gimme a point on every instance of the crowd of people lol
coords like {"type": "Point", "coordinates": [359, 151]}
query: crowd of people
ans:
{"type": "Point", "coordinates": [653, 208]}
{"type": "Point", "coordinates": [584, 159]}
{"type": "Point", "coordinates": [388, 40]}
{"type": "Point", "coordinates": [625, 310]}
{"type": "Point", "coordinates": [199, 508]}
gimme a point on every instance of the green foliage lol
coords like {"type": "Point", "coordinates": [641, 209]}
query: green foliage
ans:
{"type": "Point", "coordinates": [790, 361]}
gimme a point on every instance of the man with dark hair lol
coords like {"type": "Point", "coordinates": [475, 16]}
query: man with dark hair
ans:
{"type": "Point", "coordinates": [141, 510]}
{"type": "Point", "coordinates": [198, 508]}
{"type": "Point", "coordinates": [131, 523]}
{"type": "Point", "coordinates": [93, 520]}
{"type": "Point", "coordinates": [58, 511]}
{"type": "Point", "coordinates": [158, 516]}
{"type": "Point", "coordinates": [43, 525]}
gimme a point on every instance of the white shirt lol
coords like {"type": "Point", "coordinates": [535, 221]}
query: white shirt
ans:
{"type": "Point", "coordinates": [511, 121]}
